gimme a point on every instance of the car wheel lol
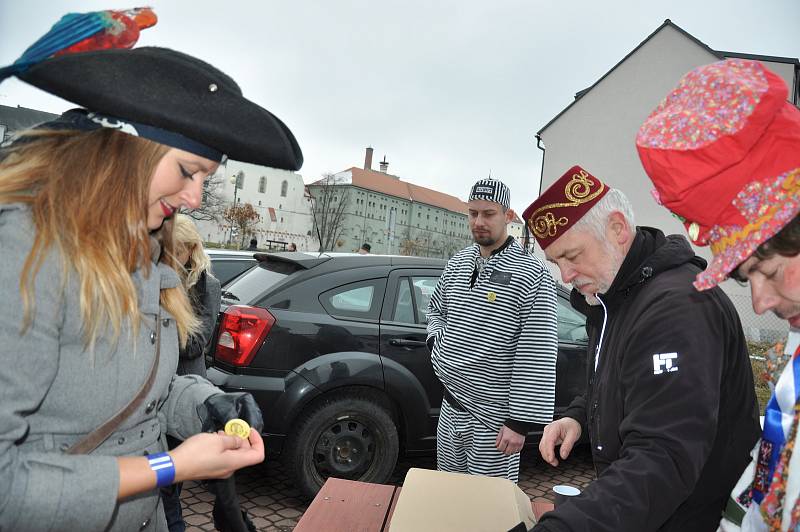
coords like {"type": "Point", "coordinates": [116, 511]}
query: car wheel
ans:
{"type": "Point", "coordinates": [351, 436]}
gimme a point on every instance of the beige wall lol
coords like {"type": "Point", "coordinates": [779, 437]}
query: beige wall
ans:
{"type": "Point", "coordinates": [784, 70]}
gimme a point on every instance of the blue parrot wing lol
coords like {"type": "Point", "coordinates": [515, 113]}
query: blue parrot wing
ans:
{"type": "Point", "coordinates": [70, 29]}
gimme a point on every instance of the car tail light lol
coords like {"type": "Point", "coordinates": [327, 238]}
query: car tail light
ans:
{"type": "Point", "coordinates": [241, 332]}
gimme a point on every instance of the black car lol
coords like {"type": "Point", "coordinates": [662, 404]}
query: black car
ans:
{"type": "Point", "coordinates": [227, 264]}
{"type": "Point", "coordinates": [333, 349]}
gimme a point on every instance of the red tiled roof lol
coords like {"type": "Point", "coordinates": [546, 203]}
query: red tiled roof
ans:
{"type": "Point", "coordinates": [394, 186]}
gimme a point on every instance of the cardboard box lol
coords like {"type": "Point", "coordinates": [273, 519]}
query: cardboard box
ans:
{"type": "Point", "coordinates": [439, 502]}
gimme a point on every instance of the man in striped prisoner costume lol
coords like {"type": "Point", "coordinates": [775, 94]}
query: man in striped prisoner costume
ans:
{"type": "Point", "coordinates": [492, 336]}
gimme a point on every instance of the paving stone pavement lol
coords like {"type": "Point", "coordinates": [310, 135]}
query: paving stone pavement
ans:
{"type": "Point", "coordinates": [275, 505]}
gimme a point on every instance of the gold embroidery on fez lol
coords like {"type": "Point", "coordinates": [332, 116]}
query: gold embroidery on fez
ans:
{"type": "Point", "coordinates": [579, 187]}
{"type": "Point", "coordinates": [578, 191]}
{"type": "Point", "coordinates": [546, 225]}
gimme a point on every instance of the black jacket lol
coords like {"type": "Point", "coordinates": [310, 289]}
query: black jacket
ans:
{"type": "Point", "coordinates": [671, 412]}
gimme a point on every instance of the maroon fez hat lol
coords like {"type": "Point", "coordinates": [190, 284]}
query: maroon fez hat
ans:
{"type": "Point", "coordinates": [564, 203]}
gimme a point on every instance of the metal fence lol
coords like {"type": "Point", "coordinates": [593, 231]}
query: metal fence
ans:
{"type": "Point", "coordinates": [764, 328]}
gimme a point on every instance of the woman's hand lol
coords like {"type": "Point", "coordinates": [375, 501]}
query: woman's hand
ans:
{"type": "Point", "coordinates": [207, 455]}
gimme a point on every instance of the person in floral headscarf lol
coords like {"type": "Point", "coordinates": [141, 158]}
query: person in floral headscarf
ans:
{"type": "Point", "coordinates": [723, 151]}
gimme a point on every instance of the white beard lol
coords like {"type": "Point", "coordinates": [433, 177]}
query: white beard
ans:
{"type": "Point", "coordinates": [592, 301]}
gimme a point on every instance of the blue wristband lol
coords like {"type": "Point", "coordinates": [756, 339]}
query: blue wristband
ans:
{"type": "Point", "coordinates": [162, 464]}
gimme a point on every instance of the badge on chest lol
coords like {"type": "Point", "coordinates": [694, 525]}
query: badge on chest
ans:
{"type": "Point", "coordinates": [499, 277]}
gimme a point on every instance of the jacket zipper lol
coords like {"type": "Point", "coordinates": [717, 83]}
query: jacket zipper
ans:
{"type": "Point", "coordinates": [598, 445]}
{"type": "Point", "coordinates": [595, 417]}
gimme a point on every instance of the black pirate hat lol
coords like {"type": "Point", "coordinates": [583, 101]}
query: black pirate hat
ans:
{"type": "Point", "coordinates": [172, 91]}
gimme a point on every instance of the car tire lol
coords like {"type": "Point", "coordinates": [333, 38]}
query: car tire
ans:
{"type": "Point", "coordinates": [351, 436]}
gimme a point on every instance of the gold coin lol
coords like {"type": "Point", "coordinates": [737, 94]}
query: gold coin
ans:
{"type": "Point", "coordinates": [237, 427]}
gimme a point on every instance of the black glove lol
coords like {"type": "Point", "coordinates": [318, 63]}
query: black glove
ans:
{"type": "Point", "coordinates": [221, 408]}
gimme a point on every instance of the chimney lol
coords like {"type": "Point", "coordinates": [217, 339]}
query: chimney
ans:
{"type": "Point", "coordinates": [368, 159]}
{"type": "Point", "coordinates": [384, 165]}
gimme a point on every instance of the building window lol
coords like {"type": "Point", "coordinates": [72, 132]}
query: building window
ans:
{"type": "Point", "coordinates": [262, 184]}
{"type": "Point", "coordinates": [284, 188]}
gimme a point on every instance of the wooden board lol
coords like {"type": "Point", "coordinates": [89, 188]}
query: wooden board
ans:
{"type": "Point", "coordinates": [391, 509]}
{"type": "Point", "coordinates": [541, 506]}
{"type": "Point", "coordinates": [348, 505]}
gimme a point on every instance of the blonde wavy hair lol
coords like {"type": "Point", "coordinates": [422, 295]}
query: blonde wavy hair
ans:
{"type": "Point", "coordinates": [88, 195]}
{"type": "Point", "coordinates": [187, 238]}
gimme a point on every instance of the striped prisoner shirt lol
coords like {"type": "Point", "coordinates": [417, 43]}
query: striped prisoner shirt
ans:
{"type": "Point", "coordinates": [495, 343]}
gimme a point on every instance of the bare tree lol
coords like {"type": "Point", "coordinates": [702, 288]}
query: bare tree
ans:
{"type": "Point", "coordinates": [330, 205]}
{"type": "Point", "coordinates": [453, 246]}
{"type": "Point", "coordinates": [422, 243]}
{"type": "Point", "coordinates": [212, 208]}
{"type": "Point", "coordinates": [408, 247]}
{"type": "Point", "coordinates": [242, 217]}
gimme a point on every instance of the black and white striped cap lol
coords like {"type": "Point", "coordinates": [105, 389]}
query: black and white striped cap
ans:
{"type": "Point", "coordinates": [491, 190]}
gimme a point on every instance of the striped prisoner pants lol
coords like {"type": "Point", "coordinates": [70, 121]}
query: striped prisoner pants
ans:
{"type": "Point", "coordinates": [465, 445]}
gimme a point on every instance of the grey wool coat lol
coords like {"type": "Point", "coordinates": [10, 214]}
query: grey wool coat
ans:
{"type": "Point", "coordinates": [53, 392]}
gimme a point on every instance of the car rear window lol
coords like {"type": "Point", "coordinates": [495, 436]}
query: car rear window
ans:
{"type": "Point", "coordinates": [254, 284]}
{"type": "Point", "coordinates": [226, 269]}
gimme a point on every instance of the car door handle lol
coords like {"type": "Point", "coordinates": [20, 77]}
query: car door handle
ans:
{"type": "Point", "coordinates": [402, 342]}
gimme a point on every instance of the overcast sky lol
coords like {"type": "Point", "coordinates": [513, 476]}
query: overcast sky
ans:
{"type": "Point", "coordinates": [447, 90]}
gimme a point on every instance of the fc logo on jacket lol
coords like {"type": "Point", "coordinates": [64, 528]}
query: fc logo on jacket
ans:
{"type": "Point", "coordinates": [665, 363]}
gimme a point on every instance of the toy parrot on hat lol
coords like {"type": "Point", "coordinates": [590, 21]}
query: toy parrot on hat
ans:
{"type": "Point", "coordinates": [84, 32]}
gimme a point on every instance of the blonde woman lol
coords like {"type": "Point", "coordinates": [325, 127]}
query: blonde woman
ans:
{"type": "Point", "coordinates": [203, 290]}
{"type": "Point", "coordinates": [92, 315]}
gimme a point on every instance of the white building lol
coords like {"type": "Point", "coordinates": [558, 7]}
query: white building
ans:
{"type": "Point", "coordinates": [279, 197]}
{"type": "Point", "coordinates": [597, 131]}
{"type": "Point", "coordinates": [517, 229]}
